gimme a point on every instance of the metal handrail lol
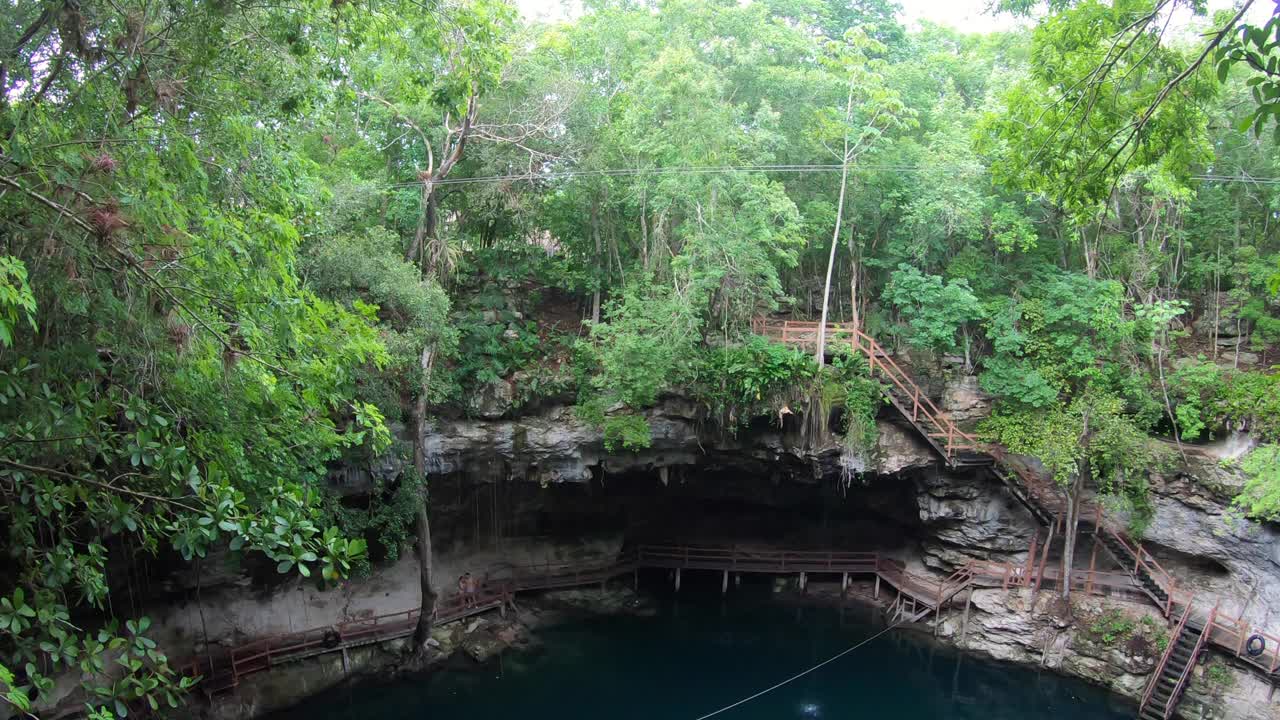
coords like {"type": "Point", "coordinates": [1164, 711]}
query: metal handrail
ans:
{"type": "Point", "coordinates": [1164, 660]}
{"type": "Point", "coordinates": [1181, 685]}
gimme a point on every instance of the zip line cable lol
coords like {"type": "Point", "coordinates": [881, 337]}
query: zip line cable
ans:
{"type": "Point", "coordinates": [799, 675]}
{"type": "Point", "coordinates": [554, 175]}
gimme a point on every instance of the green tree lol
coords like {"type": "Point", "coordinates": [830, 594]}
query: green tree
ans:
{"type": "Point", "coordinates": [870, 109]}
{"type": "Point", "coordinates": [936, 311]}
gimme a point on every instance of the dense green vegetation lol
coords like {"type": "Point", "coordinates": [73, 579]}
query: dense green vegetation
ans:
{"type": "Point", "coordinates": [239, 243]}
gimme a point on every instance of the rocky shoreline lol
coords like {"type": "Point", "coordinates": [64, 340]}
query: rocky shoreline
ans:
{"type": "Point", "coordinates": [466, 645]}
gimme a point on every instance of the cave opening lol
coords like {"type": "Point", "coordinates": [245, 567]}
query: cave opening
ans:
{"type": "Point", "coordinates": [682, 504]}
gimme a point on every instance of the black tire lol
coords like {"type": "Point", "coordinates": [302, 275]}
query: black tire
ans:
{"type": "Point", "coordinates": [331, 638]}
{"type": "Point", "coordinates": [1255, 645]}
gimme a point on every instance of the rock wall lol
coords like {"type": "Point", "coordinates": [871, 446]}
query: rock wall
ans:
{"type": "Point", "coordinates": [1201, 542]}
{"type": "Point", "coordinates": [1108, 642]}
{"type": "Point", "coordinates": [952, 517]}
{"type": "Point", "coordinates": [233, 614]}
{"type": "Point", "coordinates": [970, 516]}
{"type": "Point", "coordinates": [553, 445]}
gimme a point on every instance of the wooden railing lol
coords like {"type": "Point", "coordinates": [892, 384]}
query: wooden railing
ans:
{"type": "Point", "coordinates": [939, 430]}
{"type": "Point", "coordinates": [1164, 660]}
{"type": "Point", "coordinates": [1043, 492]}
{"type": "Point", "coordinates": [747, 559]}
{"type": "Point", "coordinates": [1185, 676]}
{"type": "Point", "coordinates": [224, 670]}
{"type": "Point", "coordinates": [1232, 637]}
{"type": "Point", "coordinates": [914, 403]}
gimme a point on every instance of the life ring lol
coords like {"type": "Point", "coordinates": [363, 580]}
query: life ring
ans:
{"type": "Point", "coordinates": [1255, 645]}
{"type": "Point", "coordinates": [331, 638]}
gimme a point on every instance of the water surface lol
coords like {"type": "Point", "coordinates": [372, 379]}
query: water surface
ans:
{"type": "Point", "coordinates": [700, 654]}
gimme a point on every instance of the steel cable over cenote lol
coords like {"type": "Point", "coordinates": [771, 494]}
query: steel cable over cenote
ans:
{"type": "Point", "coordinates": [798, 675]}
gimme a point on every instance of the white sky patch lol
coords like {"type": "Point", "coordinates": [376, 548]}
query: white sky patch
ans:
{"type": "Point", "coordinates": [965, 15]}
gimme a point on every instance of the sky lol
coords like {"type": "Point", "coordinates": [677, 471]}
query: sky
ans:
{"type": "Point", "coordinates": [965, 15]}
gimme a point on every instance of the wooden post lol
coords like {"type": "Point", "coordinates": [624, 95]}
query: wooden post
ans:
{"type": "Point", "coordinates": [803, 581]}
{"type": "Point", "coordinates": [844, 583]}
{"type": "Point", "coordinates": [964, 623]}
{"type": "Point", "coordinates": [724, 583]}
{"type": "Point", "coordinates": [677, 579]}
{"type": "Point", "coordinates": [1031, 555]}
{"type": "Point", "coordinates": [1044, 557]}
{"type": "Point", "coordinates": [1093, 562]}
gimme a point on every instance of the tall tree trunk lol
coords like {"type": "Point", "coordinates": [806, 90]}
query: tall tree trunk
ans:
{"type": "Point", "coordinates": [422, 521]}
{"type": "Point", "coordinates": [819, 354]}
{"type": "Point", "coordinates": [595, 235]}
{"type": "Point", "coordinates": [1090, 255]}
{"type": "Point", "coordinates": [1073, 511]}
{"type": "Point", "coordinates": [854, 270]}
{"type": "Point", "coordinates": [416, 250]}
{"type": "Point", "coordinates": [1072, 528]}
{"type": "Point", "coordinates": [433, 249]}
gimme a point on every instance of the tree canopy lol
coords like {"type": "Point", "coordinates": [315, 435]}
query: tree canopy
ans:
{"type": "Point", "coordinates": [243, 245]}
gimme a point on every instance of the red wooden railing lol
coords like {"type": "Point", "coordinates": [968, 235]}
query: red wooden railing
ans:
{"type": "Point", "coordinates": [1172, 703]}
{"type": "Point", "coordinates": [934, 424]}
{"type": "Point", "coordinates": [1232, 636]}
{"type": "Point", "coordinates": [224, 670]}
{"type": "Point", "coordinates": [1164, 659]}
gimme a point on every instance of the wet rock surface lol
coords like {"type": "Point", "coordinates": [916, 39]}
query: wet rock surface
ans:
{"type": "Point", "coordinates": [554, 445]}
{"type": "Point", "coordinates": [1107, 642]}
{"type": "Point", "coordinates": [970, 517]}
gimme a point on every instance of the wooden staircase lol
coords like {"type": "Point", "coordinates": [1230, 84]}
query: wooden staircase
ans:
{"type": "Point", "coordinates": [1128, 557]}
{"type": "Point", "coordinates": [1045, 503]}
{"type": "Point", "coordinates": [1174, 670]}
{"type": "Point", "coordinates": [957, 448]}
{"type": "Point", "coordinates": [907, 609]}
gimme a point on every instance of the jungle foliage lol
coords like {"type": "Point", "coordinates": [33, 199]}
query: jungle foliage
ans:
{"type": "Point", "coordinates": [243, 245]}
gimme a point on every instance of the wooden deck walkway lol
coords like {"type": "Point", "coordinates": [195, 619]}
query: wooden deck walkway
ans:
{"type": "Point", "coordinates": [225, 669]}
{"type": "Point", "coordinates": [917, 596]}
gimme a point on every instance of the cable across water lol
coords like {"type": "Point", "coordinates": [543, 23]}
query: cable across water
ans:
{"type": "Point", "coordinates": [799, 675]}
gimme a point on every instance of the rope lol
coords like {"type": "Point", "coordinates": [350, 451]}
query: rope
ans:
{"type": "Point", "coordinates": [799, 675]}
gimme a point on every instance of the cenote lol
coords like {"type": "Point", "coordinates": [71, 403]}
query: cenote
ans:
{"type": "Point", "coordinates": [701, 653]}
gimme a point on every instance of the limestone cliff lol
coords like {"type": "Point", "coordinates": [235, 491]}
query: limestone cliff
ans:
{"type": "Point", "coordinates": [555, 472]}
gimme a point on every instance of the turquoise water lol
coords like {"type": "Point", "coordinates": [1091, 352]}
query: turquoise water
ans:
{"type": "Point", "coordinates": [700, 654]}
